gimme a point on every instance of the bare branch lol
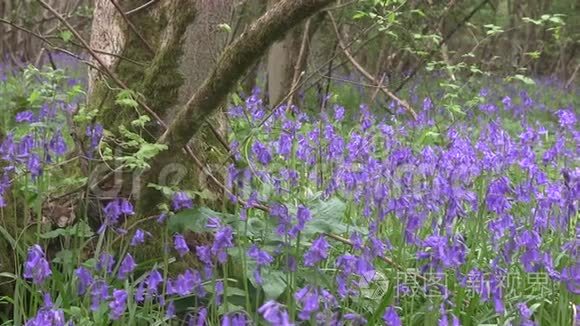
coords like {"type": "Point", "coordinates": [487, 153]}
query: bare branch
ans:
{"type": "Point", "coordinates": [144, 6]}
{"type": "Point", "coordinates": [132, 27]}
{"type": "Point", "coordinates": [366, 74]}
{"type": "Point", "coordinates": [298, 66]}
{"type": "Point", "coordinates": [103, 66]}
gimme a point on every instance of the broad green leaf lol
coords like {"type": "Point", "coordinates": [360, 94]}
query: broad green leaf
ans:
{"type": "Point", "coordinates": [193, 219]}
{"type": "Point", "coordinates": [327, 217]}
{"type": "Point", "coordinates": [274, 283]}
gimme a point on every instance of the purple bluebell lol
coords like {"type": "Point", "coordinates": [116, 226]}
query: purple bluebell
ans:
{"type": "Point", "coordinates": [181, 200]}
{"type": "Point", "coordinates": [317, 252]}
{"type": "Point", "coordinates": [302, 216]}
{"type": "Point", "coordinates": [153, 280]}
{"type": "Point", "coordinates": [139, 237]}
{"type": "Point", "coordinates": [198, 319]}
{"type": "Point", "coordinates": [308, 298]}
{"type": "Point", "coordinates": [118, 304]}
{"type": "Point", "coordinates": [36, 266]}
{"type": "Point", "coordinates": [262, 258]}
{"type": "Point", "coordinates": [235, 319]}
{"type": "Point", "coordinates": [99, 294]}
{"type": "Point", "coordinates": [262, 153]}
{"type": "Point", "coordinates": [85, 280]}
{"type": "Point", "coordinates": [339, 113]}
{"type": "Point", "coordinates": [25, 116]}
{"type": "Point", "coordinates": [180, 244]}
{"type": "Point", "coordinates": [170, 310]}
{"type": "Point", "coordinates": [105, 263]}
{"type": "Point", "coordinates": [566, 118]}
{"type": "Point", "coordinates": [223, 241]}
{"type": "Point", "coordinates": [285, 145]}
{"type": "Point", "coordinates": [94, 133]}
{"type": "Point", "coordinates": [275, 314]}
{"type": "Point", "coordinates": [204, 254]}
{"type": "Point", "coordinates": [57, 144]}
{"type": "Point", "coordinates": [48, 317]}
{"type": "Point", "coordinates": [391, 318]}
{"type": "Point", "coordinates": [126, 267]}
{"type": "Point", "coordinates": [34, 165]}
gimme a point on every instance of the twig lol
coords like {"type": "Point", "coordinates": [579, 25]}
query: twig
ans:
{"type": "Point", "coordinates": [144, 6]}
{"type": "Point", "coordinates": [219, 136]}
{"type": "Point", "coordinates": [98, 59]}
{"type": "Point", "coordinates": [132, 27]}
{"type": "Point", "coordinates": [50, 44]}
{"type": "Point", "coordinates": [366, 74]}
{"type": "Point", "coordinates": [441, 43]}
{"type": "Point", "coordinates": [298, 66]}
{"type": "Point", "coordinates": [572, 77]}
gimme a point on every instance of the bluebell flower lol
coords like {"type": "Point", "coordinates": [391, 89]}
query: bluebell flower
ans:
{"type": "Point", "coordinates": [85, 280]}
{"type": "Point", "coordinates": [118, 304]}
{"type": "Point", "coordinates": [223, 241]}
{"type": "Point", "coordinates": [181, 200]}
{"type": "Point", "coordinates": [105, 263]}
{"type": "Point", "coordinates": [317, 252]}
{"type": "Point", "coordinates": [36, 266]}
{"type": "Point", "coordinates": [99, 294]}
{"type": "Point", "coordinates": [275, 314]}
{"type": "Point", "coordinates": [126, 267]}
{"type": "Point", "coordinates": [391, 318]}
{"type": "Point", "coordinates": [25, 116]}
{"type": "Point", "coordinates": [180, 244]}
{"type": "Point", "coordinates": [139, 237]}
{"type": "Point", "coordinates": [57, 144]}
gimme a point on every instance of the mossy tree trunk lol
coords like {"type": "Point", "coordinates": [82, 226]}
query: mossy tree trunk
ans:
{"type": "Point", "coordinates": [164, 77]}
{"type": "Point", "coordinates": [171, 46]}
{"type": "Point", "coordinates": [163, 57]}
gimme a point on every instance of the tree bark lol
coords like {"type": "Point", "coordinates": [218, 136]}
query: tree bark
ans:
{"type": "Point", "coordinates": [287, 56]}
{"type": "Point", "coordinates": [182, 43]}
{"type": "Point", "coordinates": [233, 63]}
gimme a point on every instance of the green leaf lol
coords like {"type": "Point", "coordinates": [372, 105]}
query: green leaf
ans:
{"type": "Point", "coordinates": [193, 219]}
{"type": "Point", "coordinates": [274, 284]}
{"type": "Point", "coordinates": [8, 275]}
{"type": "Point", "coordinates": [143, 119]}
{"type": "Point", "coordinates": [126, 98]}
{"type": "Point", "coordinates": [327, 217]}
{"type": "Point", "coordinates": [522, 78]}
{"type": "Point", "coordinates": [64, 257]}
{"type": "Point", "coordinates": [66, 36]}
{"type": "Point", "coordinates": [80, 230]}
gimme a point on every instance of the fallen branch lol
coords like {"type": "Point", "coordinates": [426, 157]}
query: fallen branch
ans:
{"type": "Point", "coordinates": [366, 74]}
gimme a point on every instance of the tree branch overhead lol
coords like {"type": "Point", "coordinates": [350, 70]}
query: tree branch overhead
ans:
{"type": "Point", "coordinates": [233, 63]}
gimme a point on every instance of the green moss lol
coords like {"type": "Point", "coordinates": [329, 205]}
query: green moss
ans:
{"type": "Point", "coordinates": [157, 83]}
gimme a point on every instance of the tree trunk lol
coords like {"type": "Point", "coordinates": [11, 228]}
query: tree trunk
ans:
{"type": "Point", "coordinates": [283, 59]}
{"type": "Point", "coordinates": [173, 28]}
{"type": "Point", "coordinates": [185, 41]}
{"type": "Point", "coordinates": [176, 44]}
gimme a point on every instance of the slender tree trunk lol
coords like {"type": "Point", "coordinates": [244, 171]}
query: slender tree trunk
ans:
{"type": "Point", "coordinates": [283, 59]}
